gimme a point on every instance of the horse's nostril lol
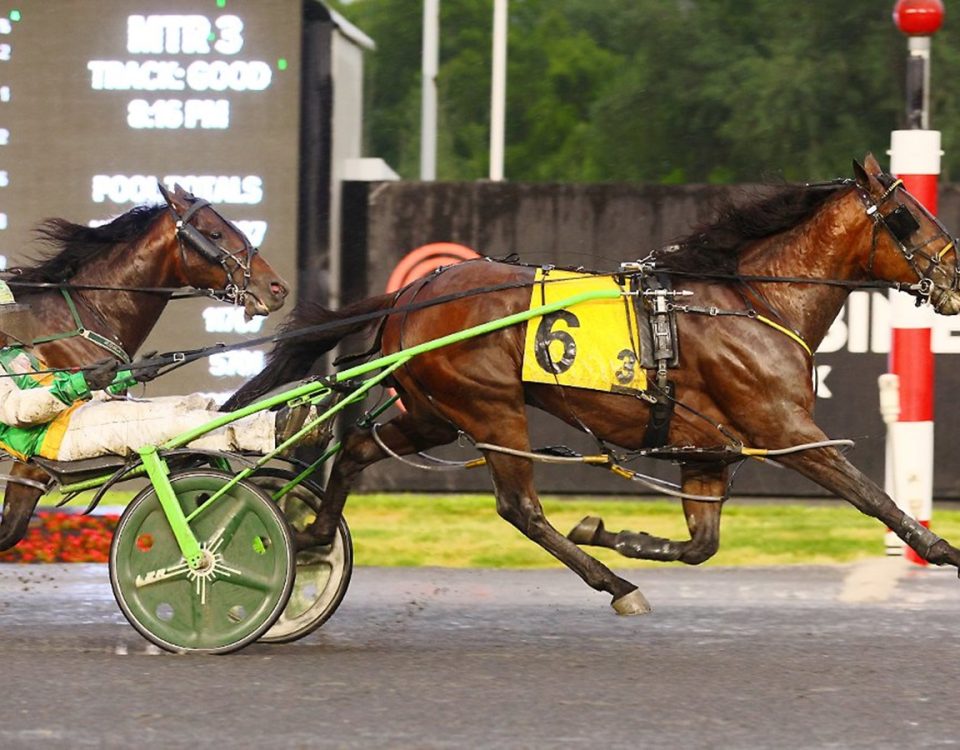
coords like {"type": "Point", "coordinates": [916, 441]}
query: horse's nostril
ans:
{"type": "Point", "coordinates": [279, 290]}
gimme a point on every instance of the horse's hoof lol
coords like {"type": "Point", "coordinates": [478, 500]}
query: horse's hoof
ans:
{"type": "Point", "coordinates": [633, 603]}
{"type": "Point", "coordinates": [586, 531]}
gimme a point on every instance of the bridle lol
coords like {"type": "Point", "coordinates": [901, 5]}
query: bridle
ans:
{"type": "Point", "coordinates": [901, 224]}
{"type": "Point", "coordinates": [242, 259]}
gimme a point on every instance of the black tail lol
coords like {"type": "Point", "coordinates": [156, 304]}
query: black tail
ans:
{"type": "Point", "coordinates": [293, 358]}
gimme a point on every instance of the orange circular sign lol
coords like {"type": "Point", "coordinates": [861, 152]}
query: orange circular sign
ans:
{"type": "Point", "coordinates": [426, 259]}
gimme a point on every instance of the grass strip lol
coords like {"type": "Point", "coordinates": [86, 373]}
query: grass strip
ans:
{"type": "Point", "coordinates": [465, 531]}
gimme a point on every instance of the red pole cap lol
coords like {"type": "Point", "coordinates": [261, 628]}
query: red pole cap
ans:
{"type": "Point", "coordinates": [918, 17]}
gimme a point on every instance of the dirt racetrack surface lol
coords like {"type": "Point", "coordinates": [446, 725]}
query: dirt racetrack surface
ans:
{"type": "Point", "coordinates": [859, 656]}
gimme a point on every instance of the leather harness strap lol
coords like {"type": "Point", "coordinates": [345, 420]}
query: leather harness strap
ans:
{"type": "Point", "coordinates": [113, 348]}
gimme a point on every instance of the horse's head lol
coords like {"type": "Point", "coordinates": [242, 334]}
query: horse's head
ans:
{"type": "Point", "coordinates": [216, 255]}
{"type": "Point", "coordinates": [909, 244]}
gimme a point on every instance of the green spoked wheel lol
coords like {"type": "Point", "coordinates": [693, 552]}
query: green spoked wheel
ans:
{"type": "Point", "coordinates": [241, 587]}
{"type": "Point", "coordinates": [323, 573]}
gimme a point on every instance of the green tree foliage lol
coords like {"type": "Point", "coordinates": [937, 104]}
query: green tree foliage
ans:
{"type": "Point", "coordinates": [655, 90]}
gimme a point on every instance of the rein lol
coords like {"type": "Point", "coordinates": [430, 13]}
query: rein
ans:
{"type": "Point", "coordinates": [172, 291]}
{"type": "Point", "coordinates": [899, 286]}
{"type": "Point", "coordinates": [180, 358]}
{"type": "Point", "coordinates": [184, 357]}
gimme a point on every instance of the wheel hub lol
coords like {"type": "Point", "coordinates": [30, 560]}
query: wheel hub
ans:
{"type": "Point", "coordinates": [210, 568]}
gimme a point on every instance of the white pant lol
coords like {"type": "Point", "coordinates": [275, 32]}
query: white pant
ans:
{"type": "Point", "coordinates": [99, 428]}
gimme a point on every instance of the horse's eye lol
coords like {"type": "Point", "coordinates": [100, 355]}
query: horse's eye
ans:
{"type": "Point", "coordinates": [216, 235]}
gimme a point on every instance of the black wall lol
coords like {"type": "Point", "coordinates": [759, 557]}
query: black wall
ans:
{"type": "Point", "coordinates": [316, 103]}
{"type": "Point", "coordinates": [597, 226]}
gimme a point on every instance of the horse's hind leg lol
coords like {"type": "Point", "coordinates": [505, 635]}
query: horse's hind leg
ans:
{"type": "Point", "coordinates": [703, 521]}
{"type": "Point", "coordinates": [19, 502]}
{"type": "Point", "coordinates": [403, 435]}
{"type": "Point", "coordinates": [517, 502]}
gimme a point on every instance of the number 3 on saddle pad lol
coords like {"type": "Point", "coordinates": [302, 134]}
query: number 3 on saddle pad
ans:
{"type": "Point", "coordinates": [594, 345]}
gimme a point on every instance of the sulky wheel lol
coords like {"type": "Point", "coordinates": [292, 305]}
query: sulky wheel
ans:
{"type": "Point", "coordinates": [238, 592]}
{"type": "Point", "coordinates": [323, 573]}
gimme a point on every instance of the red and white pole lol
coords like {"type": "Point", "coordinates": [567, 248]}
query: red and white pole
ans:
{"type": "Point", "coordinates": [915, 159]}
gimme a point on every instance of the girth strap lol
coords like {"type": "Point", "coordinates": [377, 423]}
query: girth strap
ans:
{"type": "Point", "coordinates": [661, 413]}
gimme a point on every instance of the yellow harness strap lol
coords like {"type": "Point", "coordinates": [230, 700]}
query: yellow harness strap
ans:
{"type": "Point", "coordinates": [786, 332]}
{"type": "Point", "coordinates": [946, 249]}
{"type": "Point", "coordinates": [896, 183]}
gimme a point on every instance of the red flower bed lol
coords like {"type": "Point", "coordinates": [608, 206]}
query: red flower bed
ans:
{"type": "Point", "coordinates": [61, 536]}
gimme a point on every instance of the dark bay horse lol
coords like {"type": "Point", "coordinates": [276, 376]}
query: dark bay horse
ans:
{"type": "Point", "coordinates": [136, 260]}
{"type": "Point", "coordinates": [741, 382]}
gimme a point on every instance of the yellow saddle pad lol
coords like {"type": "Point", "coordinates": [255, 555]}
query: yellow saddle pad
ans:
{"type": "Point", "coordinates": [592, 345]}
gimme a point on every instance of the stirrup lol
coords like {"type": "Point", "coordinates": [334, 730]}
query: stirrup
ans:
{"type": "Point", "coordinates": [291, 419]}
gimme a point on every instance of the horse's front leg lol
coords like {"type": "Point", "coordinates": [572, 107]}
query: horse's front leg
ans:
{"type": "Point", "coordinates": [828, 468]}
{"type": "Point", "coordinates": [703, 521]}
{"type": "Point", "coordinates": [517, 502]}
{"type": "Point", "coordinates": [19, 502]}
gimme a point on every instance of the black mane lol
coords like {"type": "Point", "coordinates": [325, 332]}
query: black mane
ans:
{"type": "Point", "coordinates": [715, 248]}
{"type": "Point", "coordinates": [73, 245]}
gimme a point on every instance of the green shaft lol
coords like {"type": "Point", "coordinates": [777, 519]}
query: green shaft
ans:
{"type": "Point", "coordinates": [376, 364]}
{"type": "Point", "coordinates": [244, 473]}
{"type": "Point", "coordinates": [183, 438]}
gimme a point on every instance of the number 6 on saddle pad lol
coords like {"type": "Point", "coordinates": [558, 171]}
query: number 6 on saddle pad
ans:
{"type": "Point", "coordinates": [595, 345]}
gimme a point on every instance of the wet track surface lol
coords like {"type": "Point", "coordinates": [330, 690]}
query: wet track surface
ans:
{"type": "Point", "coordinates": [861, 656]}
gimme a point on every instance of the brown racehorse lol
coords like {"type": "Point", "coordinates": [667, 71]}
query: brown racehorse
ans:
{"type": "Point", "coordinates": [739, 382]}
{"type": "Point", "coordinates": [141, 249]}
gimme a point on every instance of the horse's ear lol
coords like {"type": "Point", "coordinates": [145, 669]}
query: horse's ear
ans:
{"type": "Point", "coordinates": [872, 165]}
{"type": "Point", "coordinates": [867, 173]}
{"type": "Point", "coordinates": [164, 192]}
{"type": "Point", "coordinates": [863, 179]}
